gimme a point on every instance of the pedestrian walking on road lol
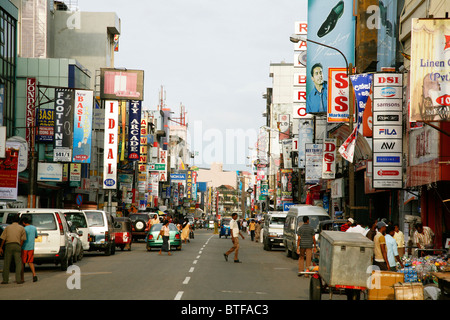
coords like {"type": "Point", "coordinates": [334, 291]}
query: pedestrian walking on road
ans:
{"type": "Point", "coordinates": [235, 233]}
{"type": "Point", "coordinates": [12, 240]}
{"type": "Point", "coordinates": [28, 247]}
{"type": "Point", "coordinates": [258, 231]}
{"type": "Point", "coordinates": [306, 242]}
{"type": "Point", "coordinates": [186, 228]}
{"type": "Point", "coordinates": [252, 228]}
{"type": "Point", "coordinates": [165, 233]}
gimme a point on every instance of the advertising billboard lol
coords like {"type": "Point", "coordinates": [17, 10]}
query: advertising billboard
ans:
{"type": "Point", "coordinates": [430, 53]}
{"type": "Point", "coordinates": [82, 126]}
{"type": "Point", "coordinates": [134, 130]}
{"type": "Point", "coordinates": [110, 145]}
{"type": "Point", "coordinates": [387, 142]}
{"type": "Point", "coordinates": [63, 132]}
{"type": "Point", "coordinates": [121, 84]}
{"type": "Point", "coordinates": [330, 23]}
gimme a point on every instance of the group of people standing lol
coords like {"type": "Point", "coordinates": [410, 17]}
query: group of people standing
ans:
{"type": "Point", "coordinates": [254, 228]}
{"type": "Point", "coordinates": [17, 242]}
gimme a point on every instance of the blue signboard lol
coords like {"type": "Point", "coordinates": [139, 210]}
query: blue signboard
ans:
{"type": "Point", "coordinates": [177, 176]}
{"type": "Point", "coordinates": [287, 205]}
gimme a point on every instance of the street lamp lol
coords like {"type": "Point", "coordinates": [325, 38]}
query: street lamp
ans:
{"type": "Point", "coordinates": [351, 177]}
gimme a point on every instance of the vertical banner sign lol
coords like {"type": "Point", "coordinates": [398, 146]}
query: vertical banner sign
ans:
{"type": "Point", "coordinates": [329, 158]}
{"type": "Point", "coordinates": [9, 175]}
{"type": "Point", "coordinates": [286, 185]}
{"type": "Point", "coordinates": [305, 135]}
{"type": "Point", "coordinates": [430, 68]}
{"type": "Point", "coordinates": [163, 160]}
{"type": "Point", "coordinates": [362, 84]}
{"type": "Point", "coordinates": [300, 75]}
{"type": "Point", "coordinates": [330, 23]}
{"type": "Point", "coordinates": [30, 111]}
{"type": "Point", "coordinates": [189, 181]}
{"type": "Point", "coordinates": [338, 97]}
{"type": "Point", "coordinates": [82, 126]}
{"type": "Point", "coordinates": [123, 112]}
{"type": "Point", "coordinates": [143, 147]}
{"type": "Point", "coordinates": [387, 141]}
{"type": "Point", "coordinates": [134, 130]}
{"type": "Point", "coordinates": [64, 114]}
{"type": "Point", "coordinates": [284, 126]}
{"type": "Point", "coordinates": [313, 171]}
{"type": "Point", "coordinates": [110, 144]}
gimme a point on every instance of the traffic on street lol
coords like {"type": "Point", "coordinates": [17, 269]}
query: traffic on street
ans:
{"type": "Point", "coordinates": [225, 159]}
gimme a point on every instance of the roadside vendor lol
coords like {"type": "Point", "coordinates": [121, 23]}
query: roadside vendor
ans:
{"type": "Point", "coordinates": [423, 237]}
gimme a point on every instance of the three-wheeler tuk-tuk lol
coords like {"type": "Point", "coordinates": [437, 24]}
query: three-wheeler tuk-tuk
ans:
{"type": "Point", "coordinates": [122, 228]}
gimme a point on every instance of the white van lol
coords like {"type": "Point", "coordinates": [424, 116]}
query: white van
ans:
{"type": "Point", "coordinates": [101, 231]}
{"type": "Point", "coordinates": [273, 229]}
{"type": "Point", "coordinates": [54, 244]}
{"type": "Point", "coordinates": [294, 220]}
{"type": "Point", "coordinates": [79, 221]}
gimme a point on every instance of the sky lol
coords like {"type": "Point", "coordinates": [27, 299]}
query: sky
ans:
{"type": "Point", "coordinates": [211, 56]}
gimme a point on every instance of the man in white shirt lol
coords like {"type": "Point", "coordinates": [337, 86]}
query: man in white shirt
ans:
{"type": "Point", "coordinates": [235, 233]}
{"type": "Point", "coordinates": [356, 227]}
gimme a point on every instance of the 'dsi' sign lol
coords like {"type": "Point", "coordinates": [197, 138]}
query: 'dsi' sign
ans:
{"type": "Point", "coordinates": [329, 159]}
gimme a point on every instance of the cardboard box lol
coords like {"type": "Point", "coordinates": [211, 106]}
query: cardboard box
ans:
{"type": "Point", "coordinates": [381, 284]}
{"type": "Point", "coordinates": [408, 291]}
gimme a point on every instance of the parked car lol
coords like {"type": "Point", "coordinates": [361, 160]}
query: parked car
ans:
{"type": "Point", "coordinates": [54, 244]}
{"type": "Point", "coordinates": [79, 221]}
{"type": "Point", "coordinates": [101, 231]}
{"type": "Point", "coordinates": [139, 224]}
{"type": "Point", "coordinates": [294, 219]}
{"type": "Point", "coordinates": [77, 244]}
{"type": "Point", "coordinates": [122, 229]}
{"type": "Point", "coordinates": [6, 214]}
{"type": "Point", "coordinates": [174, 237]}
{"type": "Point", "coordinates": [273, 229]}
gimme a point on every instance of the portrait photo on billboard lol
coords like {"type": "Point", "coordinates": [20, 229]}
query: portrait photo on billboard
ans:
{"type": "Point", "coordinates": [331, 24]}
{"type": "Point", "coordinates": [118, 84]}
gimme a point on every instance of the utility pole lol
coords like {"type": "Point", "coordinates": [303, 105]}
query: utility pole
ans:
{"type": "Point", "coordinates": [351, 167]}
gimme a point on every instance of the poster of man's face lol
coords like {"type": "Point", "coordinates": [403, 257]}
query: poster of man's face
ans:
{"type": "Point", "coordinates": [330, 23]}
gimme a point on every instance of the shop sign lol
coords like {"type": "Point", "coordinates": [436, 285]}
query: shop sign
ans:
{"type": "Point", "coordinates": [110, 144]}
{"type": "Point", "coordinates": [387, 142]}
{"type": "Point", "coordinates": [329, 159]}
{"type": "Point", "coordinates": [30, 110]}
{"type": "Point", "coordinates": [134, 132]}
{"type": "Point", "coordinates": [49, 172]}
{"type": "Point", "coordinates": [82, 126]}
{"type": "Point", "coordinates": [338, 96]}
{"type": "Point", "coordinates": [63, 132]}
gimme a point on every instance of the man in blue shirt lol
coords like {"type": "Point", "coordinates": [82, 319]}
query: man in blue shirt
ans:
{"type": "Point", "coordinates": [316, 101]}
{"type": "Point", "coordinates": [28, 247]}
{"type": "Point", "coordinates": [391, 248]}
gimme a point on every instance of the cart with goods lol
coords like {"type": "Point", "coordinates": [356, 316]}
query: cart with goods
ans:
{"type": "Point", "coordinates": [432, 272]}
{"type": "Point", "coordinates": [344, 262]}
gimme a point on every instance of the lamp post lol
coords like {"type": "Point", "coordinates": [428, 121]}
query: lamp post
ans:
{"type": "Point", "coordinates": [351, 177]}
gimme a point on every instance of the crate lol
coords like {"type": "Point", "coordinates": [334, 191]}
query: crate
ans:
{"type": "Point", "coordinates": [382, 284]}
{"type": "Point", "coordinates": [409, 291]}
{"type": "Point", "coordinates": [345, 258]}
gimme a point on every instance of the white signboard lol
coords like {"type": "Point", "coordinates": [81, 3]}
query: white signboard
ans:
{"type": "Point", "coordinates": [314, 158]}
{"type": "Point", "coordinates": [110, 144]}
{"type": "Point", "coordinates": [387, 142]}
{"type": "Point", "coordinates": [50, 171]}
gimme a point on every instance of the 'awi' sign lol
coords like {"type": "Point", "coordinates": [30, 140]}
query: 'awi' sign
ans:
{"type": "Point", "coordinates": [110, 145]}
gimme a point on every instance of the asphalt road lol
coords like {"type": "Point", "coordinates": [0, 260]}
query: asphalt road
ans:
{"type": "Point", "coordinates": [197, 272]}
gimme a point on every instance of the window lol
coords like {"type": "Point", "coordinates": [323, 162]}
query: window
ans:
{"type": "Point", "coordinates": [42, 221]}
{"type": "Point", "coordinates": [95, 219]}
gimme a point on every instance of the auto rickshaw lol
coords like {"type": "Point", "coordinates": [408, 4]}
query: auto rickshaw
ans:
{"type": "Point", "coordinates": [225, 228]}
{"type": "Point", "coordinates": [122, 228]}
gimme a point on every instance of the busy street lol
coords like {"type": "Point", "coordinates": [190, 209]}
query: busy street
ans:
{"type": "Point", "coordinates": [197, 272]}
{"type": "Point", "coordinates": [224, 156]}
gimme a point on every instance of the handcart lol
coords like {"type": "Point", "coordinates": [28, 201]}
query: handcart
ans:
{"type": "Point", "coordinates": [344, 262]}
